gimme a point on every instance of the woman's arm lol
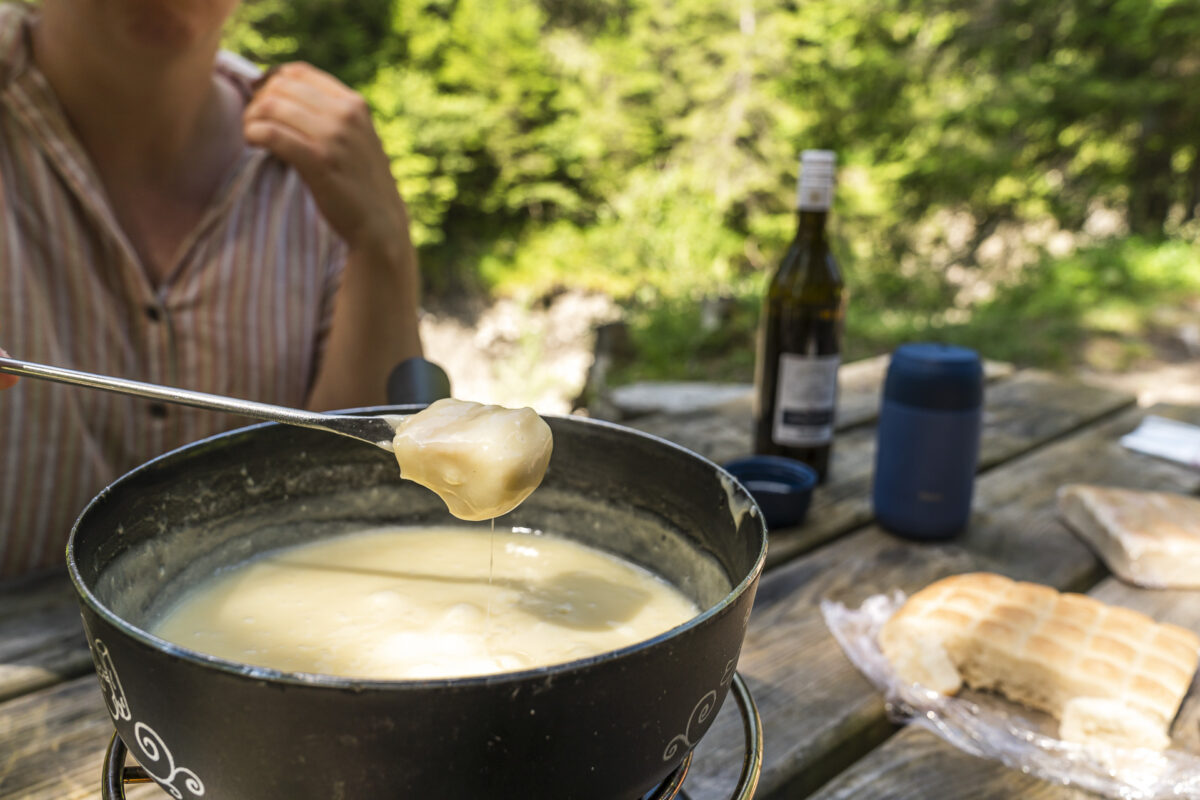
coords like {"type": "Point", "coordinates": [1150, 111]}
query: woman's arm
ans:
{"type": "Point", "coordinates": [374, 326]}
{"type": "Point", "coordinates": [323, 129]}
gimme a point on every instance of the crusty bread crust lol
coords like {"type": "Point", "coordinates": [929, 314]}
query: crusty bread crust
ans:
{"type": "Point", "coordinates": [1046, 650]}
{"type": "Point", "coordinates": [1146, 538]}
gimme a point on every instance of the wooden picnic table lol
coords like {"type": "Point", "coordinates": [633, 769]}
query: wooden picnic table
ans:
{"type": "Point", "coordinates": [826, 731]}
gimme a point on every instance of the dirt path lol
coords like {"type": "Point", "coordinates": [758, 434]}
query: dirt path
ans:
{"type": "Point", "coordinates": [515, 355]}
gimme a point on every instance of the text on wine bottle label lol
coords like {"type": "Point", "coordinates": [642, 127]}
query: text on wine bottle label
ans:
{"type": "Point", "coordinates": [805, 398]}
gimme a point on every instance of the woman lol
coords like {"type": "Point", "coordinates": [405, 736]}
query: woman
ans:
{"type": "Point", "coordinates": [167, 215]}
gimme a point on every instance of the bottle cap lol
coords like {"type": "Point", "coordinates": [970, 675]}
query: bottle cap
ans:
{"type": "Point", "coordinates": [937, 377]}
{"type": "Point", "coordinates": [814, 190]}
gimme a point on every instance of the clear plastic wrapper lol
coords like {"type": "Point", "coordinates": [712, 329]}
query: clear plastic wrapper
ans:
{"type": "Point", "coordinates": [991, 727]}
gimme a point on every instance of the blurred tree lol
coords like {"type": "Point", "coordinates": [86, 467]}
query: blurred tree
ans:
{"type": "Point", "coordinates": [343, 37]}
{"type": "Point", "coordinates": [650, 146]}
{"type": "Point", "coordinates": [1050, 107]}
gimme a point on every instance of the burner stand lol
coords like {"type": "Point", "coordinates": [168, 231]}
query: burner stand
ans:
{"type": "Point", "coordinates": [117, 774]}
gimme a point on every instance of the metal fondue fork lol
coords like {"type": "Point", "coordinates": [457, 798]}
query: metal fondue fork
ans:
{"type": "Point", "coordinates": [377, 430]}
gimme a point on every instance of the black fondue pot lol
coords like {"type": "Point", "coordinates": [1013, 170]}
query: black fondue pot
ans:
{"type": "Point", "coordinates": [610, 726]}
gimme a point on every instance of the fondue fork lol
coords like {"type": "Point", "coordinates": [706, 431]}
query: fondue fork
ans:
{"type": "Point", "coordinates": [378, 430]}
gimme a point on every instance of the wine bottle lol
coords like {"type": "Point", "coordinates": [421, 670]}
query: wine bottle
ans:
{"type": "Point", "coordinates": [799, 341]}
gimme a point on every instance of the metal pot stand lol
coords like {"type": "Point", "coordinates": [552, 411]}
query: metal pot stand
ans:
{"type": "Point", "coordinates": [117, 774]}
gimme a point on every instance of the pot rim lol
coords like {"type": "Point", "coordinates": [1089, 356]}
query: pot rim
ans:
{"type": "Point", "coordinates": [361, 685]}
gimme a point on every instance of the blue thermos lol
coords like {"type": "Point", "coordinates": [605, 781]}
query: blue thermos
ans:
{"type": "Point", "coordinates": [928, 442]}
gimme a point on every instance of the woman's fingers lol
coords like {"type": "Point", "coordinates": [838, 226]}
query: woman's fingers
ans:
{"type": "Point", "coordinates": [323, 129]}
{"type": "Point", "coordinates": [285, 141]}
{"type": "Point", "coordinates": [311, 86]}
{"type": "Point", "coordinates": [308, 135]}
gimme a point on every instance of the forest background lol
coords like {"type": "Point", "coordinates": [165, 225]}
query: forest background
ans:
{"type": "Point", "coordinates": [1019, 176]}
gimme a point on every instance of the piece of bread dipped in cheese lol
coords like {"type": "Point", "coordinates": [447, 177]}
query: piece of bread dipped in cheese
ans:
{"type": "Point", "coordinates": [1107, 673]}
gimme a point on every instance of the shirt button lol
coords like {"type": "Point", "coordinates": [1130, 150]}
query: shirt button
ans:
{"type": "Point", "coordinates": [152, 313]}
{"type": "Point", "coordinates": [158, 411]}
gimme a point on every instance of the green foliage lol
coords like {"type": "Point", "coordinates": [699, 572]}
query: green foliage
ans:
{"type": "Point", "coordinates": [699, 340]}
{"type": "Point", "coordinates": [1114, 291]}
{"type": "Point", "coordinates": [1046, 314]}
{"type": "Point", "coordinates": [1109, 290]}
{"type": "Point", "coordinates": [344, 37]}
{"type": "Point", "coordinates": [649, 148]}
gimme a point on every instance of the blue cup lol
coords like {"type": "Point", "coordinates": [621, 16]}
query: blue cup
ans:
{"type": "Point", "coordinates": [928, 441]}
{"type": "Point", "coordinates": [781, 486]}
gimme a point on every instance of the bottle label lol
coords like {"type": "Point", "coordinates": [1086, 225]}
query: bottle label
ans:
{"type": "Point", "coordinates": [814, 194]}
{"type": "Point", "coordinates": [805, 398]}
{"type": "Point", "coordinates": [814, 189]}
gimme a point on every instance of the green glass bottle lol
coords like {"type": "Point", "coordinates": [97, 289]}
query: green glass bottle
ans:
{"type": "Point", "coordinates": [800, 332]}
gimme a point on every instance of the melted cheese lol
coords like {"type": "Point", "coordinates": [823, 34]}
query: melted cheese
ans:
{"type": "Point", "coordinates": [482, 460]}
{"type": "Point", "coordinates": [400, 603]}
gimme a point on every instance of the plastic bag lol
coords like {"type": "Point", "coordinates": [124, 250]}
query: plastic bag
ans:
{"type": "Point", "coordinates": [991, 727]}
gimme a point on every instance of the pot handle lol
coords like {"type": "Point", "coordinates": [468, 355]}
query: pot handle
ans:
{"type": "Point", "coordinates": [417, 382]}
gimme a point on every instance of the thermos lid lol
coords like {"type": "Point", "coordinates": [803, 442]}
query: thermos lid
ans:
{"type": "Point", "coordinates": [781, 486]}
{"type": "Point", "coordinates": [938, 377]}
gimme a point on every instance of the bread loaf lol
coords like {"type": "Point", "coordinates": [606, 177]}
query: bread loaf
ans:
{"type": "Point", "coordinates": [1146, 538]}
{"type": "Point", "coordinates": [1107, 673]}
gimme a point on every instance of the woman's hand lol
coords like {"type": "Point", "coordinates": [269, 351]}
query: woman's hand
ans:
{"type": "Point", "coordinates": [6, 381]}
{"type": "Point", "coordinates": [323, 129]}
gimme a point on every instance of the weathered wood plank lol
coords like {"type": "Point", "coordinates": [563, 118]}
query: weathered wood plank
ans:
{"type": "Point", "coordinates": [724, 431]}
{"type": "Point", "coordinates": [910, 776]}
{"type": "Point", "coordinates": [819, 714]}
{"type": "Point", "coordinates": [41, 638]}
{"type": "Point", "coordinates": [870, 560]}
{"type": "Point", "coordinates": [1025, 412]}
{"type": "Point", "coordinates": [52, 744]}
{"type": "Point", "coordinates": [915, 763]}
{"type": "Point", "coordinates": [1021, 413]}
{"type": "Point", "coordinates": [1015, 521]}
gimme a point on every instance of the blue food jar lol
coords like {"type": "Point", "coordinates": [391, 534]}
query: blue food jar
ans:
{"type": "Point", "coordinates": [928, 441]}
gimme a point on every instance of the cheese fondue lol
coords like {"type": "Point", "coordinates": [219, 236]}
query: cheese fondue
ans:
{"type": "Point", "coordinates": [396, 603]}
{"type": "Point", "coordinates": [482, 460]}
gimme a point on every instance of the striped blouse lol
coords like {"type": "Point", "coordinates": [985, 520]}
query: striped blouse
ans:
{"type": "Point", "coordinates": [244, 312]}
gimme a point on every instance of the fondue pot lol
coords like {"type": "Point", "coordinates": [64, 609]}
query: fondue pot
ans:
{"type": "Point", "coordinates": [608, 727]}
